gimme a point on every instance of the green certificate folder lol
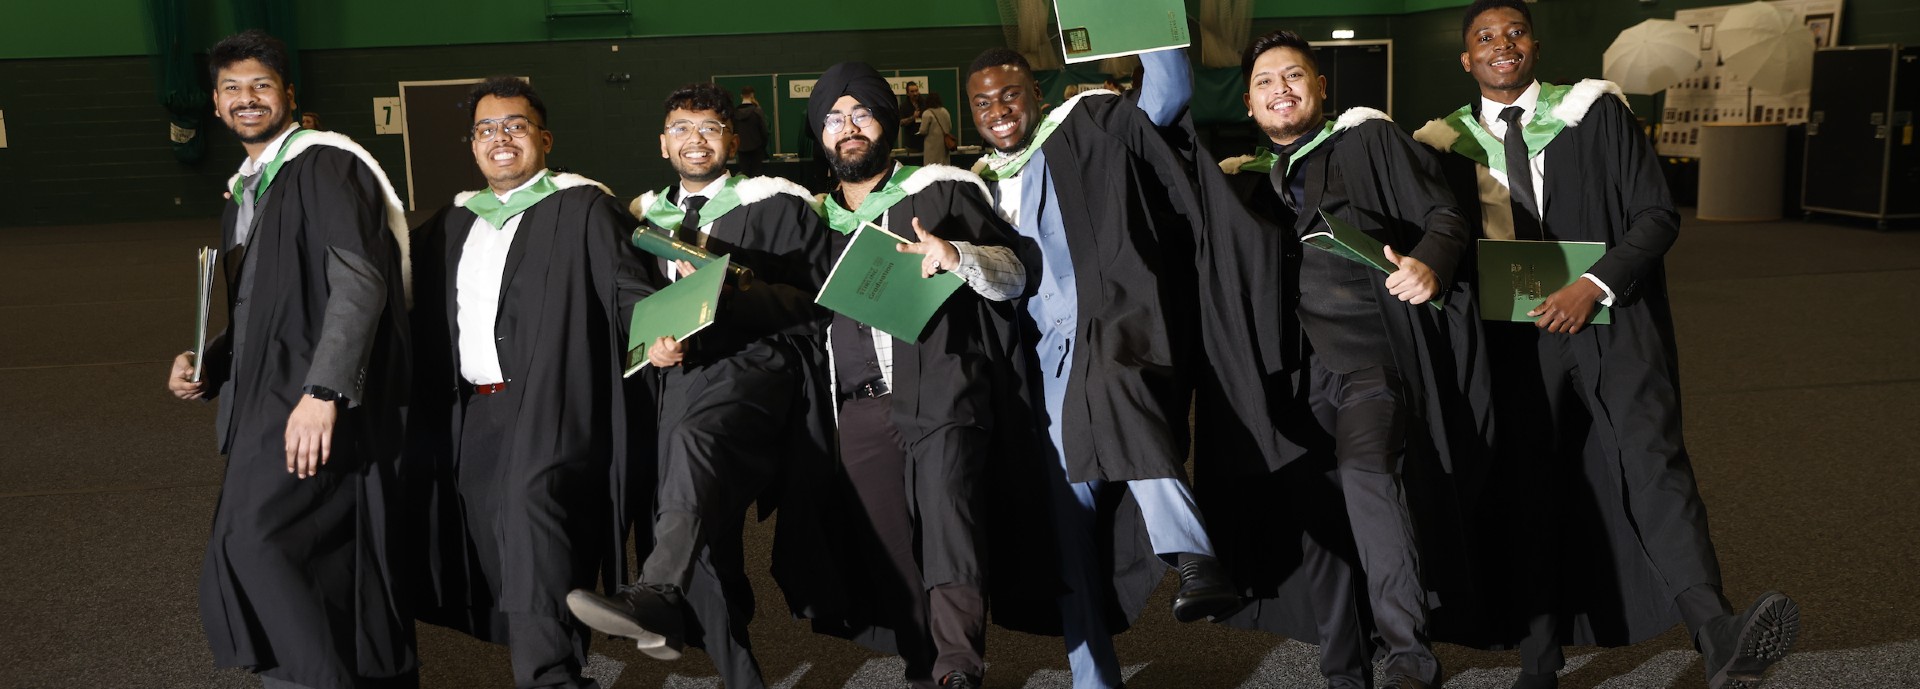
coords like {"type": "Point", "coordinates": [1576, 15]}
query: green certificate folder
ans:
{"type": "Point", "coordinates": [1099, 29]}
{"type": "Point", "coordinates": [1516, 275]}
{"type": "Point", "coordinates": [1342, 239]}
{"type": "Point", "coordinates": [877, 285]}
{"type": "Point", "coordinates": [678, 310]}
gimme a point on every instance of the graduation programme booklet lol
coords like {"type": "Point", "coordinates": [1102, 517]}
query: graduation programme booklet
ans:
{"type": "Point", "coordinates": [678, 310]}
{"type": "Point", "coordinates": [1099, 29]}
{"type": "Point", "coordinates": [1342, 239]}
{"type": "Point", "coordinates": [876, 284]}
{"type": "Point", "coordinates": [209, 259]}
{"type": "Point", "coordinates": [1516, 275]}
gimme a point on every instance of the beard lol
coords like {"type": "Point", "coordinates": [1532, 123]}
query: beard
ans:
{"type": "Point", "coordinates": [858, 169]}
{"type": "Point", "coordinates": [692, 174]}
{"type": "Point", "coordinates": [1020, 144]}
{"type": "Point", "coordinates": [266, 134]}
{"type": "Point", "coordinates": [1290, 131]}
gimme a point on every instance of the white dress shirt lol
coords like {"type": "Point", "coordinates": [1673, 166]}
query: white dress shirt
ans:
{"type": "Point", "coordinates": [706, 223]}
{"type": "Point", "coordinates": [251, 167]}
{"type": "Point", "coordinates": [1496, 204]}
{"type": "Point", "coordinates": [477, 282]}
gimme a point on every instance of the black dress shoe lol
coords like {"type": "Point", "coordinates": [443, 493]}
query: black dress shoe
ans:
{"type": "Point", "coordinates": [1400, 681]}
{"type": "Point", "coordinates": [959, 680]}
{"type": "Point", "coordinates": [653, 616]}
{"type": "Point", "coordinates": [1204, 591]}
{"type": "Point", "coordinates": [1740, 648]}
{"type": "Point", "coordinates": [1532, 681]}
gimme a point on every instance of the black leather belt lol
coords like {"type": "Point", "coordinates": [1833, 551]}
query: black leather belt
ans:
{"type": "Point", "coordinates": [873, 389]}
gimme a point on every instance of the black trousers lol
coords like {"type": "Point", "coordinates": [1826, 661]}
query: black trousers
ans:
{"type": "Point", "coordinates": [1546, 409]}
{"type": "Point", "coordinates": [546, 650]}
{"type": "Point", "coordinates": [1365, 412]}
{"type": "Point", "coordinates": [940, 627]}
{"type": "Point", "coordinates": [720, 428]}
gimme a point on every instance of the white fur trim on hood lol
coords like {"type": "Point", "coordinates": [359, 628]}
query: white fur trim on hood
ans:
{"type": "Point", "coordinates": [561, 181]}
{"type": "Point", "coordinates": [1574, 106]}
{"type": "Point", "coordinates": [927, 175]}
{"type": "Point", "coordinates": [396, 213]}
{"type": "Point", "coordinates": [1438, 134]}
{"type": "Point", "coordinates": [757, 189]}
{"type": "Point", "coordinates": [1354, 116]}
{"type": "Point", "coordinates": [1232, 165]}
{"type": "Point", "coordinates": [751, 190]}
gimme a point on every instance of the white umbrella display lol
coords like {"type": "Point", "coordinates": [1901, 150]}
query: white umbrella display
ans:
{"type": "Point", "coordinates": [1762, 46]}
{"type": "Point", "coordinates": [1651, 55]}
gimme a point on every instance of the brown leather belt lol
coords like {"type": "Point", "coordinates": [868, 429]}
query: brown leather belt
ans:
{"type": "Point", "coordinates": [488, 389]}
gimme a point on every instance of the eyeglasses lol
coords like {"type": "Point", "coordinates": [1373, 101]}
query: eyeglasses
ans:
{"type": "Point", "coordinates": [709, 130]}
{"type": "Point", "coordinates": [516, 126]}
{"type": "Point", "coordinates": [834, 122]}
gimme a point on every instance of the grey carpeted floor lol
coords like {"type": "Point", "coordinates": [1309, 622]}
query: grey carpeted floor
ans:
{"type": "Point", "coordinates": [1801, 363]}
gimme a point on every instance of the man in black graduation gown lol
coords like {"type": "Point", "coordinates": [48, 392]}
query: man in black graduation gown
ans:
{"type": "Point", "coordinates": [921, 415]}
{"type": "Point", "coordinates": [1603, 525]}
{"type": "Point", "coordinates": [728, 403]}
{"type": "Point", "coordinates": [521, 431]}
{"type": "Point", "coordinates": [301, 583]}
{"type": "Point", "coordinates": [1109, 324]}
{"type": "Point", "coordinates": [1365, 352]}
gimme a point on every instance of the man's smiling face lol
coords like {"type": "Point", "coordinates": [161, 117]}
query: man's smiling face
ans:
{"type": "Point", "coordinates": [1500, 52]}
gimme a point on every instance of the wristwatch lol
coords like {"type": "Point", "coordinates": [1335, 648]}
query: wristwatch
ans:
{"type": "Point", "coordinates": [323, 394]}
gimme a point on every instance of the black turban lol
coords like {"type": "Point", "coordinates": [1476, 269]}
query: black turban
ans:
{"type": "Point", "coordinates": [864, 83]}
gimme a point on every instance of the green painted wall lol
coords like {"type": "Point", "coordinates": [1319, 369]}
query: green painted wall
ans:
{"type": "Point", "coordinates": [103, 28]}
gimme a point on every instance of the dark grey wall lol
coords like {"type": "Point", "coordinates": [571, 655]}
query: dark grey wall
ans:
{"type": "Point", "coordinates": [88, 141]}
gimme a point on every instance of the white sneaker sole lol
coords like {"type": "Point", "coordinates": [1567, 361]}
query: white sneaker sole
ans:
{"type": "Point", "coordinates": [597, 615]}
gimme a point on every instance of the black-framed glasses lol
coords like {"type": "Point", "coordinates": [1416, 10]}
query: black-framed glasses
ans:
{"type": "Point", "coordinates": [710, 130]}
{"type": "Point", "coordinates": [516, 126]}
{"type": "Point", "coordinates": [834, 122]}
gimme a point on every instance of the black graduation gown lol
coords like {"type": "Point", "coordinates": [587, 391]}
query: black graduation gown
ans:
{"type": "Point", "coordinates": [570, 279]}
{"type": "Point", "coordinates": [764, 342]}
{"type": "Point", "coordinates": [302, 579]}
{"type": "Point", "coordinates": [959, 396]}
{"type": "Point", "coordinates": [1131, 239]}
{"type": "Point", "coordinates": [1603, 184]}
{"type": "Point", "coordinates": [1268, 444]}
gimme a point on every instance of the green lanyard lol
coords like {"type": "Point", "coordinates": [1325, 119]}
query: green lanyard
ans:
{"type": "Point", "coordinates": [846, 221]}
{"type": "Point", "coordinates": [1477, 143]}
{"type": "Point", "coordinates": [273, 167]}
{"type": "Point", "coordinates": [667, 215]}
{"type": "Point", "coordinates": [496, 212]}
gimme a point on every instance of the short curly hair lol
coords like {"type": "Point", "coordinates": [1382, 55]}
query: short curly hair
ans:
{"type": "Point", "coordinates": [1479, 7]}
{"type": "Point", "coordinates": [506, 87]}
{"type": "Point", "coordinates": [252, 44]}
{"type": "Point", "coordinates": [707, 97]}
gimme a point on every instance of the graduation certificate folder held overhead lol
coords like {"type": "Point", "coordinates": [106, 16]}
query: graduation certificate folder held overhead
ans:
{"type": "Point", "coordinates": [209, 257]}
{"type": "Point", "coordinates": [1342, 239]}
{"type": "Point", "coordinates": [1516, 275]}
{"type": "Point", "coordinates": [678, 311]}
{"type": "Point", "coordinates": [1099, 29]}
{"type": "Point", "coordinates": [876, 284]}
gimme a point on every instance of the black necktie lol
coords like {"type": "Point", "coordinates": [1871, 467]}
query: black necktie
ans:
{"type": "Point", "coordinates": [690, 226]}
{"type": "Point", "coordinates": [1526, 208]}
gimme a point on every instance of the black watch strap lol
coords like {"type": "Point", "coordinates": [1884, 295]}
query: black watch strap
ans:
{"type": "Point", "coordinates": [323, 394]}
